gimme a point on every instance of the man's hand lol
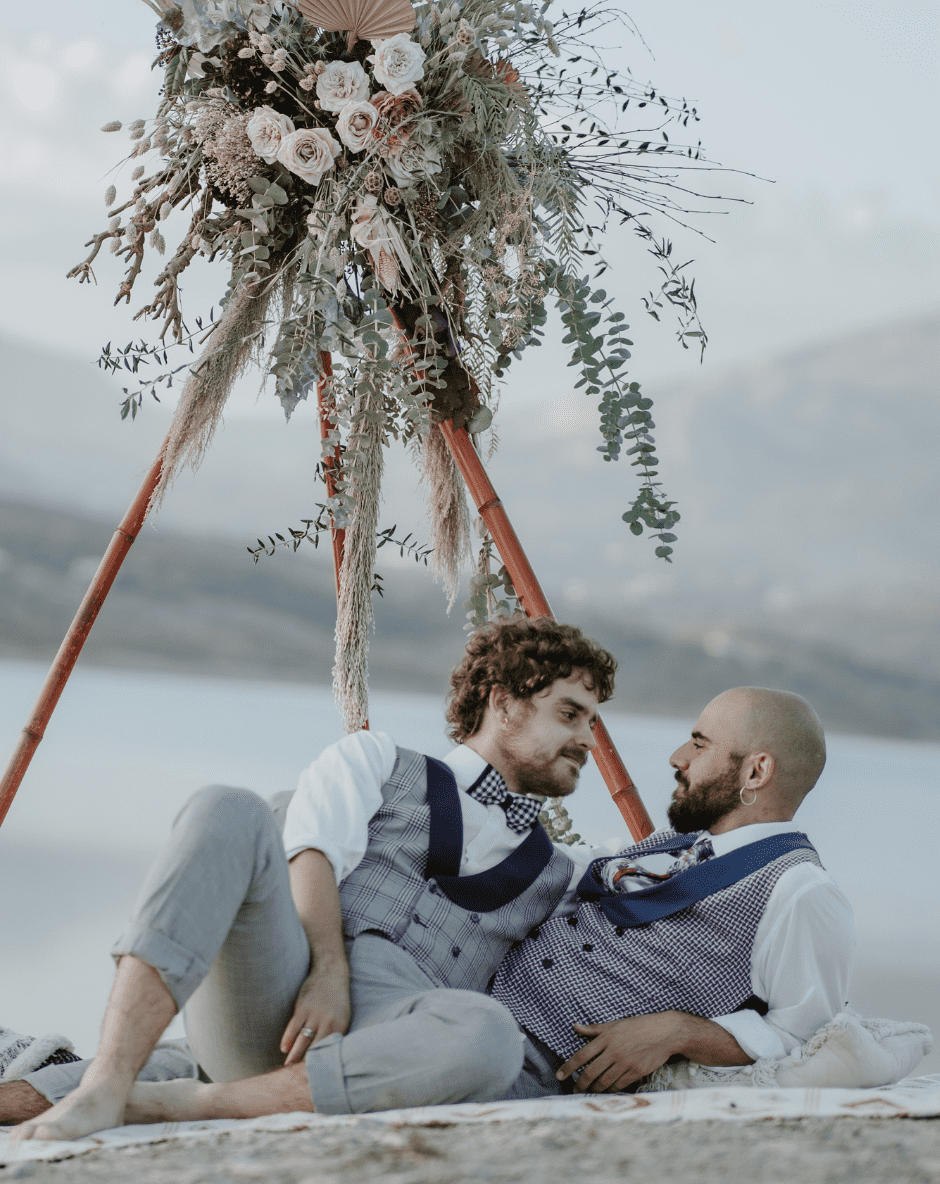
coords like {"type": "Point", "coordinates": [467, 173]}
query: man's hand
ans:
{"type": "Point", "coordinates": [322, 1005]}
{"type": "Point", "coordinates": [322, 1008]}
{"type": "Point", "coordinates": [623, 1051]}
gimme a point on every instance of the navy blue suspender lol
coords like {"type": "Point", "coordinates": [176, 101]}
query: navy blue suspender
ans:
{"type": "Point", "coordinates": [686, 888]}
{"type": "Point", "coordinates": [485, 891]}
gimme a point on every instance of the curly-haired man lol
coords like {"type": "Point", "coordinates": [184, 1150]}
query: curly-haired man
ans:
{"type": "Point", "coordinates": [428, 869]}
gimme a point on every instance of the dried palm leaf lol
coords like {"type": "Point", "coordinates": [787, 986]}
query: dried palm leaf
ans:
{"type": "Point", "coordinates": [372, 20]}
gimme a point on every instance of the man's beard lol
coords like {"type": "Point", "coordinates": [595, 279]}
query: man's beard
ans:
{"type": "Point", "coordinates": [701, 807]}
{"type": "Point", "coordinates": [547, 781]}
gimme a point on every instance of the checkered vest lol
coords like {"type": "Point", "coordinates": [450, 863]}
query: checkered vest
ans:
{"type": "Point", "coordinates": [408, 887]}
{"type": "Point", "coordinates": [588, 969]}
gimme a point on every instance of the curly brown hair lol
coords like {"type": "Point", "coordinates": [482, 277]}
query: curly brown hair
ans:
{"type": "Point", "coordinates": [525, 656]}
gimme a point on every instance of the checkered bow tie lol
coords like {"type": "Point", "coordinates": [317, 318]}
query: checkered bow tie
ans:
{"type": "Point", "coordinates": [522, 813]}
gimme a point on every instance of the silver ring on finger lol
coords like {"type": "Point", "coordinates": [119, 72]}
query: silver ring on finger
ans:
{"type": "Point", "coordinates": [308, 1032]}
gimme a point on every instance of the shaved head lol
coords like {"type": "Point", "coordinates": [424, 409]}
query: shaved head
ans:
{"type": "Point", "coordinates": [783, 725]}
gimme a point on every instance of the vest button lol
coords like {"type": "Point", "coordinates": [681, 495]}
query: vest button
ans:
{"type": "Point", "coordinates": [456, 951]}
{"type": "Point", "coordinates": [547, 963]}
{"type": "Point", "coordinates": [619, 931]}
{"type": "Point", "coordinates": [475, 918]}
{"type": "Point", "coordinates": [587, 947]}
{"type": "Point", "coordinates": [573, 920]}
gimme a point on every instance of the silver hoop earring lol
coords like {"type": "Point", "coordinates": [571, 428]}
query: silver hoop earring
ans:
{"type": "Point", "coordinates": [753, 799]}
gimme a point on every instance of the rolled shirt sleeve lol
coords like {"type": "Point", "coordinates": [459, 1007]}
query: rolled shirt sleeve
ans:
{"type": "Point", "coordinates": [336, 797]}
{"type": "Point", "coordinates": [800, 964]}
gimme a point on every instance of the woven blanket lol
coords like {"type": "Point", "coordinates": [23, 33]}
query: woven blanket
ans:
{"type": "Point", "coordinates": [916, 1097]}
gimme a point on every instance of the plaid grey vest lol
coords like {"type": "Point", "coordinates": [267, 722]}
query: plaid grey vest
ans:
{"type": "Point", "coordinates": [589, 969]}
{"type": "Point", "coordinates": [408, 887]}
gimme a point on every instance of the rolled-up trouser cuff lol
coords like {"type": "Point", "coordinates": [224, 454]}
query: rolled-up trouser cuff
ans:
{"type": "Point", "coordinates": [180, 969]}
{"type": "Point", "coordinates": [325, 1074]}
{"type": "Point", "coordinates": [170, 1061]}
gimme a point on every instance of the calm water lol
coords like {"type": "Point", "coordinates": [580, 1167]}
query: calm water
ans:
{"type": "Point", "coordinates": [124, 750]}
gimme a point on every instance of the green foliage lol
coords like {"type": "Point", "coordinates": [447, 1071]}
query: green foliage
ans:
{"type": "Point", "coordinates": [131, 358]}
{"type": "Point", "coordinates": [600, 351]}
{"type": "Point", "coordinates": [313, 528]}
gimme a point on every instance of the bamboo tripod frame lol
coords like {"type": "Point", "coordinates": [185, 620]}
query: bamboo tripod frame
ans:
{"type": "Point", "coordinates": [488, 505]}
{"type": "Point", "coordinates": [76, 637]}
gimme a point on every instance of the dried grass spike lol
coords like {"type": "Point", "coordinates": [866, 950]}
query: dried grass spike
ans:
{"type": "Point", "coordinates": [354, 603]}
{"type": "Point", "coordinates": [210, 381]}
{"type": "Point", "coordinates": [448, 515]}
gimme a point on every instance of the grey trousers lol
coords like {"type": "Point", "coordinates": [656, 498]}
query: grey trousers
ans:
{"type": "Point", "coordinates": [217, 921]}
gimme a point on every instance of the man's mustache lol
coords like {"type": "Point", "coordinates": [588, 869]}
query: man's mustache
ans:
{"type": "Point", "coordinates": [575, 754]}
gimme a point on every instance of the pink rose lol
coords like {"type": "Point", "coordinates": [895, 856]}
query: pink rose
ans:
{"type": "Point", "coordinates": [396, 113]}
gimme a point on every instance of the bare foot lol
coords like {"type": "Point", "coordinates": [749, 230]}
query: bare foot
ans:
{"type": "Point", "coordinates": [96, 1106]}
{"type": "Point", "coordinates": [20, 1102]}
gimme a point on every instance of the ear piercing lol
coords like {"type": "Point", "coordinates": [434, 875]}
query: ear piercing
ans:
{"type": "Point", "coordinates": [753, 799]}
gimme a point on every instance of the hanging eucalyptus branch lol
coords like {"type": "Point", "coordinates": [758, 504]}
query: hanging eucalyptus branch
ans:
{"type": "Point", "coordinates": [313, 528]}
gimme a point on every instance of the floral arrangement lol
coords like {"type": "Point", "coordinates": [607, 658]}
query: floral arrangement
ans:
{"type": "Point", "coordinates": [396, 192]}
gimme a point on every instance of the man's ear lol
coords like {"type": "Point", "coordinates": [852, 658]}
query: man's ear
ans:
{"type": "Point", "coordinates": [757, 770]}
{"type": "Point", "coordinates": [499, 701]}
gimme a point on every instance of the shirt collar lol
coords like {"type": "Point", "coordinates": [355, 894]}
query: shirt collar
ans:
{"type": "Point", "coordinates": [742, 835]}
{"type": "Point", "coordinates": [466, 765]}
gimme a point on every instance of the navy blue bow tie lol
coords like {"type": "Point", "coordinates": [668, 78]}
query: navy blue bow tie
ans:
{"type": "Point", "coordinates": [522, 813]}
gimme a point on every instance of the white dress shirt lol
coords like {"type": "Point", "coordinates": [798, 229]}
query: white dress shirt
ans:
{"type": "Point", "coordinates": [804, 942]}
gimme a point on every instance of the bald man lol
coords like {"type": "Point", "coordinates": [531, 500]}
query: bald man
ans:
{"type": "Point", "coordinates": [744, 924]}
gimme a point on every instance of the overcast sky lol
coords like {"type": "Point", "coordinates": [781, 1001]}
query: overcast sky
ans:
{"type": "Point", "coordinates": [833, 104]}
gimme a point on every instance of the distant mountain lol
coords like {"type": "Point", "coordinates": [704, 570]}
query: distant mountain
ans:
{"type": "Point", "coordinates": [202, 606]}
{"type": "Point", "coordinates": [808, 487]}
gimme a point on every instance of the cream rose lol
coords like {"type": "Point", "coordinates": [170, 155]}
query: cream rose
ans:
{"type": "Point", "coordinates": [397, 63]}
{"type": "Point", "coordinates": [266, 130]}
{"type": "Point", "coordinates": [342, 83]}
{"type": "Point", "coordinates": [409, 160]}
{"type": "Point", "coordinates": [309, 153]}
{"type": "Point", "coordinates": [355, 123]}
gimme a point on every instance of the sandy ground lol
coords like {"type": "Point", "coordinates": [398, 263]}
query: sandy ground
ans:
{"type": "Point", "coordinates": [779, 1151]}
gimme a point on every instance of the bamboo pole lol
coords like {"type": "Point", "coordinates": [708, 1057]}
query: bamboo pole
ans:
{"type": "Point", "coordinates": [76, 637]}
{"type": "Point", "coordinates": [490, 509]}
